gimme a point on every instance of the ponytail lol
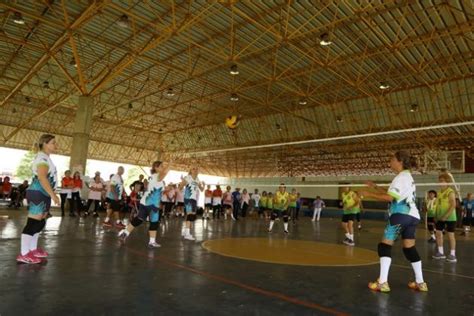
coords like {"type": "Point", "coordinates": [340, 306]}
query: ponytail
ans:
{"type": "Point", "coordinates": [408, 162]}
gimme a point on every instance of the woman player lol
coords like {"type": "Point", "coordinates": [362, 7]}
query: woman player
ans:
{"type": "Point", "coordinates": [404, 216]}
{"type": "Point", "coordinates": [446, 217]}
{"type": "Point", "coordinates": [149, 204]}
{"type": "Point", "coordinates": [227, 202]}
{"type": "Point", "coordinates": [39, 195]}
{"type": "Point", "coordinates": [207, 202]}
{"type": "Point", "coordinates": [430, 206]}
{"type": "Point", "coordinates": [192, 186]}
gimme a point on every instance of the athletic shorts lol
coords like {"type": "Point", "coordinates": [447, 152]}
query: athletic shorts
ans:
{"type": "Point", "coordinates": [430, 220]}
{"type": "Point", "coordinates": [400, 225]}
{"type": "Point", "coordinates": [261, 210]}
{"type": "Point", "coordinates": [280, 213]}
{"type": "Point", "coordinates": [449, 225]}
{"type": "Point", "coordinates": [115, 205]}
{"type": "Point", "coordinates": [180, 204]}
{"type": "Point", "coordinates": [357, 216]}
{"type": "Point", "coordinates": [149, 210]}
{"type": "Point", "coordinates": [348, 217]}
{"type": "Point", "coordinates": [190, 206]}
{"type": "Point", "coordinates": [38, 203]}
{"type": "Point", "coordinates": [208, 205]}
{"type": "Point", "coordinates": [227, 206]}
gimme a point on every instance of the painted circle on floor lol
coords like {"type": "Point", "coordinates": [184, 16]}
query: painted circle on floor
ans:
{"type": "Point", "coordinates": [292, 252]}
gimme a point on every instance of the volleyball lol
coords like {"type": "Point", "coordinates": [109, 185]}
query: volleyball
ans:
{"type": "Point", "coordinates": [232, 121]}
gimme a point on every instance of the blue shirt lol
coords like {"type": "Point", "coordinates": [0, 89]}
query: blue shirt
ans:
{"type": "Point", "coordinates": [468, 205]}
{"type": "Point", "coordinates": [236, 196]}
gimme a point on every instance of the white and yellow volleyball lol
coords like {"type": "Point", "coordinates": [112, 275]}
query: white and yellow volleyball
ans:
{"type": "Point", "coordinates": [232, 121]}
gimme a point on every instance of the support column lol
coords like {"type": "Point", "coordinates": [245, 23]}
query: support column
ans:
{"type": "Point", "coordinates": [81, 134]}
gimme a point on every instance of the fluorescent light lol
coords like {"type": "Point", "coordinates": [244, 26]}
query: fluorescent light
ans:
{"type": "Point", "coordinates": [303, 102]}
{"type": "Point", "coordinates": [170, 92]}
{"type": "Point", "coordinates": [123, 21]}
{"type": "Point", "coordinates": [234, 70]}
{"type": "Point", "coordinates": [384, 86]}
{"type": "Point", "coordinates": [234, 97]}
{"type": "Point", "coordinates": [324, 40]}
{"type": "Point", "coordinates": [18, 18]}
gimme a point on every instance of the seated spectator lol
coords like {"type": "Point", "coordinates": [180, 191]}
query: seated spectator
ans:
{"type": "Point", "coordinates": [19, 194]}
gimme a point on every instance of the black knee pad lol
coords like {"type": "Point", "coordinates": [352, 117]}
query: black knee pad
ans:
{"type": "Point", "coordinates": [191, 217]}
{"type": "Point", "coordinates": [273, 216]}
{"type": "Point", "coordinates": [32, 226]}
{"type": "Point", "coordinates": [153, 226]}
{"type": "Point", "coordinates": [411, 254]}
{"type": "Point", "coordinates": [285, 218]}
{"type": "Point", "coordinates": [136, 222]}
{"type": "Point", "coordinates": [384, 250]}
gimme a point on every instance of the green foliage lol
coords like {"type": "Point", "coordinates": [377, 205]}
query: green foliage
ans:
{"type": "Point", "coordinates": [132, 175]}
{"type": "Point", "coordinates": [23, 171]}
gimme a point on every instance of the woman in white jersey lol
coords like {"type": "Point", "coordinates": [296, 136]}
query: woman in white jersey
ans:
{"type": "Point", "coordinates": [149, 204]}
{"type": "Point", "coordinates": [39, 195]}
{"type": "Point", "coordinates": [192, 186]}
{"type": "Point", "coordinates": [404, 216]}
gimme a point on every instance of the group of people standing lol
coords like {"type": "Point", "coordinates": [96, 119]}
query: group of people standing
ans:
{"type": "Point", "coordinates": [404, 215]}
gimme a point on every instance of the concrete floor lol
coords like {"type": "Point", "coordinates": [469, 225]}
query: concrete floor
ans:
{"type": "Point", "coordinates": [89, 271]}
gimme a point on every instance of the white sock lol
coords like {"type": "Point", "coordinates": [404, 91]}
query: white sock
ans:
{"type": "Point", "coordinates": [348, 236]}
{"type": "Point", "coordinates": [441, 250]}
{"type": "Point", "coordinates": [107, 219]}
{"type": "Point", "coordinates": [187, 231]}
{"type": "Point", "coordinates": [271, 225]}
{"type": "Point", "coordinates": [384, 267]}
{"type": "Point", "coordinates": [453, 253]}
{"type": "Point", "coordinates": [351, 236]}
{"type": "Point", "coordinates": [152, 240]}
{"type": "Point", "coordinates": [319, 214]}
{"type": "Point", "coordinates": [286, 226]}
{"type": "Point", "coordinates": [433, 236]}
{"type": "Point", "coordinates": [25, 243]}
{"type": "Point", "coordinates": [34, 242]}
{"type": "Point", "coordinates": [314, 214]}
{"type": "Point", "coordinates": [418, 272]}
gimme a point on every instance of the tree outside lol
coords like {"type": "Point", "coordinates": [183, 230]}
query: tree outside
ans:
{"type": "Point", "coordinates": [23, 171]}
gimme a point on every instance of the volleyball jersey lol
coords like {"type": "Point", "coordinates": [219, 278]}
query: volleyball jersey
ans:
{"type": "Point", "coordinates": [117, 182]}
{"type": "Point", "coordinates": [43, 159]}
{"type": "Point", "coordinates": [263, 201]}
{"type": "Point", "coordinates": [318, 204]}
{"type": "Point", "coordinates": [153, 194]}
{"type": "Point", "coordinates": [431, 207]}
{"type": "Point", "coordinates": [442, 206]}
{"type": "Point", "coordinates": [270, 202]}
{"type": "Point", "coordinates": [191, 190]}
{"type": "Point", "coordinates": [217, 197]}
{"type": "Point", "coordinates": [281, 200]}
{"type": "Point", "coordinates": [208, 196]}
{"type": "Point", "coordinates": [403, 191]}
{"type": "Point", "coordinates": [468, 206]}
{"type": "Point", "coordinates": [293, 198]}
{"type": "Point", "coordinates": [349, 202]}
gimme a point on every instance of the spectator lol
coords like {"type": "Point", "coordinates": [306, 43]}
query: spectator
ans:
{"type": "Point", "coordinates": [245, 198]}
{"type": "Point", "coordinates": [76, 194]}
{"type": "Point", "coordinates": [95, 195]}
{"type": "Point", "coordinates": [6, 188]}
{"type": "Point", "coordinates": [18, 195]}
{"type": "Point", "coordinates": [139, 182]}
{"type": "Point", "coordinates": [66, 188]}
{"type": "Point", "coordinates": [236, 202]}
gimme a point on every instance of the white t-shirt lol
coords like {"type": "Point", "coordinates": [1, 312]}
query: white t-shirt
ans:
{"type": "Point", "coordinates": [117, 182]}
{"type": "Point", "coordinates": [95, 195]}
{"type": "Point", "coordinates": [403, 191]}
{"type": "Point", "coordinates": [43, 159]}
{"type": "Point", "coordinates": [191, 190]}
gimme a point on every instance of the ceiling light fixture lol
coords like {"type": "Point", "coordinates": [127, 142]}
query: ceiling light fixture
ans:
{"type": "Point", "coordinates": [278, 127]}
{"type": "Point", "coordinates": [234, 97]}
{"type": "Point", "coordinates": [46, 84]}
{"type": "Point", "coordinates": [130, 106]}
{"type": "Point", "coordinates": [414, 108]}
{"type": "Point", "coordinates": [324, 40]}
{"type": "Point", "coordinates": [170, 92]}
{"type": "Point", "coordinates": [384, 86]}
{"type": "Point", "coordinates": [18, 18]}
{"type": "Point", "coordinates": [123, 21]}
{"type": "Point", "coordinates": [303, 102]}
{"type": "Point", "coordinates": [339, 119]}
{"type": "Point", "coordinates": [28, 100]}
{"type": "Point", "coordinates": [234, 70]}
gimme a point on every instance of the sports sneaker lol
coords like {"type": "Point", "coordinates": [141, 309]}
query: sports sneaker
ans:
{"type": "Point", "coordinates": [451, 258]}
{"type": "Point", "coordinates": [28, 258]}
{"type": "Point", "coordinates": [463, 233]}
{"type": "Point", "coordinates": [359, 227]}
{"type": "Point", "coordinates": [123, 234]}
{"type": "Point", "coordinates": [154, 245]}
{"type": "Point", "coordinates": [39, 253]}
{"type": "Point", "coordinates": [350, 243]}
{"type": "Point", "coordinates": [346, 241]}
{"type": "Point", "coordinates": [376, 286]}
{"type": "Point", "coordinates": [120, 225]}
{"type": "Point", "coordinates": [183, 232]}
{"type": "Point", "coordinates": [189, 237]}
{"type": "Point", "coordinates": [438, 256]}
{"type": "Point", "coordinates": [96, 214]}
{"type": "Point", "coordinates": [269, 230]}
{"type": "Point", "coordinates": [432, 240]}
{"type": "Point", "coordinates": [285, 231]}
{"type": "Point", "coordinates": [107, 224]}
{"type": "Point", "coordinates": [422, 287]}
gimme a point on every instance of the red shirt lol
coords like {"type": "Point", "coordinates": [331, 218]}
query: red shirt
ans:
{"type": "Point", "coordinates": [7, 187]}
{"type": "Point", "coordinates": [77, 183]}
{"type": "Point", "coordinates": [66, 182]}
{"type": "Point", "coordinates": [217, 193]}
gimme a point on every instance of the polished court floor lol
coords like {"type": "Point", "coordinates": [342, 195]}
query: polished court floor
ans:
{"type": "Point", "coordinates": [233, 268]}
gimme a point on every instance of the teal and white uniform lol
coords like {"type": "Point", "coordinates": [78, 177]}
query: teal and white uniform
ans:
{"type": "Point", "coordinates": [39, 201]}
